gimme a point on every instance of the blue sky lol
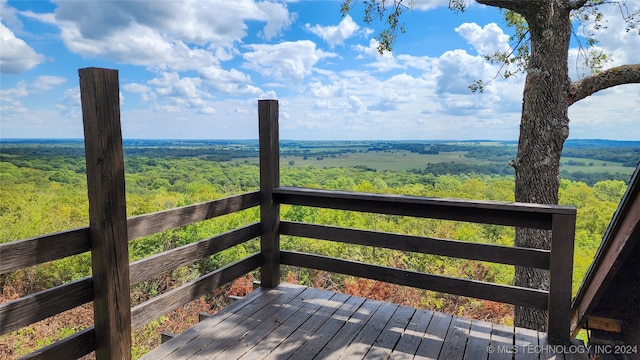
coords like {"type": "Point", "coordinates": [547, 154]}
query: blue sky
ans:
{"type": "Point", "coordinates": [195, 69]}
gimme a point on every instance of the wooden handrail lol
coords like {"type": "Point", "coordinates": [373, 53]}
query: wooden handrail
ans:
{"type": "Point", "coordinates": [100, 92]}
{"type": "Point", "coordinates": [559, 260]}
{"type": "Point", "coordinates": [509, 255]}
{"type": "Point", "coordinates": [20, 254]}
{"type": "Point", "coordinates": [535, 216]}
{"type": "Point", "coordinates": [472, 288]}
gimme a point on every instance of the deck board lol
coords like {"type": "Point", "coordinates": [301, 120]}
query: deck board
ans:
{"type": "Point", "coordinates": [296, 322]}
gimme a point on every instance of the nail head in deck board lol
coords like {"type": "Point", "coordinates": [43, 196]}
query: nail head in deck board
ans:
{"type": "Point", "coordinates": [456, 340]}
{"type": "Point", "coordinates": [501, 342]}
{"type": "Point", "coordinates": [434, 338]}
{"type": "Point", "coordinates": [479, 338]}
{"type": "Point", "coordinates": [269, 143]}
{"type": "Point", "coordinates": [100, 97]}
{"type": "Point", "coordinates": [412, 336]}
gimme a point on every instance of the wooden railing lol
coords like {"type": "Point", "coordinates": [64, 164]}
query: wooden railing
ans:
{"type": "Point", "coordinates": [41, 305]}
{"type": "Point", "coordinates": [107, 238]}
{"type": "Point", "coordinates": [560, 220]}
{"type": "Point", "coordinates": [109, 232]}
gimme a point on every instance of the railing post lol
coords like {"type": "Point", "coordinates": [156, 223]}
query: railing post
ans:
{"type": "Point", "coordinates": [269, 179]}
{"type": "Point", "coordinates": [100, 96]}
{"type": "Point", "coordinates": [560, 278]}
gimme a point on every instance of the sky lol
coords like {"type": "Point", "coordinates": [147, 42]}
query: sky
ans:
{"type": "Point", "coordinates": [195, 69]}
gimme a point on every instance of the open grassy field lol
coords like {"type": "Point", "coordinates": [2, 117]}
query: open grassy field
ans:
{"type": "Point", "coordinates": [392, 160]}
{"type": "Point", "coordinates": [593, 166]}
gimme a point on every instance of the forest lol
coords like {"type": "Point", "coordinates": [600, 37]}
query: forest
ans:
{"type": "Point", "coordinates": [43, 190]}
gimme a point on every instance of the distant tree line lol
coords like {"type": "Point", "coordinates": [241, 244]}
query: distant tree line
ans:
{"type": "Point", "coordinates": [453, 168]}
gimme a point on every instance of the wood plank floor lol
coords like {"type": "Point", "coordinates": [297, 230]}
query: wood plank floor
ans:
{"type": "Point", "coordinates": [297, 322]}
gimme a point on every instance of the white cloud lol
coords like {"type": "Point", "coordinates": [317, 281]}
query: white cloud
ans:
{"type": "Point", "coordinates": [337, 89]}
{"type": "Point", "coordinates": [335, 35]}
{"type": "Point", "coordinates": [486, 40]}
{"type": "Point", "coordinates": [16, 56]}
{"type": "Point", "coordinates": [166, 35]}
{"type": "Point", "coordinates": [20, 90]}
{"type": "Point", "coordinates": [232, 81]}
{"type": "Point", "coordinates": [384, 62]}
{"type": "Point", "coordinates": [136, 88]}
{"type": "Point", "coordinates": [277, 17]}
{"type": "Point", "coordinates": [425, 5]}
{"type": "Point", "coordinates": [70, 104]}
{"type": "Point", "coordinates": [47, 18]}
{"type": "Point", "coordinates": [288, 61]}
{"type": "Point", "coordinates": [48, 82]}
{"type": "Point", "coordinates": [458, 70]}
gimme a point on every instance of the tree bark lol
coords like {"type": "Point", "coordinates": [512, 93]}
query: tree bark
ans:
{"type": "Point", "coordinates": [544, 126]}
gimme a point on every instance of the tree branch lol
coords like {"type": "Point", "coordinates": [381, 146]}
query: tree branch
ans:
{"type": "Point", "coordinates": [514, 5]}
{"type": "Point", "coordinates": [625, 74]}
{"type": "Point", "coordinates": [577, 4]}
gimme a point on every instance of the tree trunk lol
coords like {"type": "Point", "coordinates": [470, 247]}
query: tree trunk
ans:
{"type": "Point", "coordinates": [544, 126]}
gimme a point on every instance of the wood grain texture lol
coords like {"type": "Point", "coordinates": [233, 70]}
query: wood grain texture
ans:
{"type": "Point", "coordinates": [148, 224]}
{"type": "Point", "coordinates": [162, 304]}
{"type": "Point", "coordinates": [479, 338]}
{"type": "Point", "coordinates": [35, 307]}
{"type": "Point", "coordinates": [296, 322]}
{"type": "Point", "coordinates": [560, 278]}
{"type": "Point", "coordinates": [434, 337]}
{"type": "Point", "coordinates": [510, 214]}
{"type": "Point", "coordinates": [147, 268]}
{"type": "Point", "coordinates": [456, 339]}
{"type": "Point", "coordinates": [472, 288]}
{"type": "Point", "coordinates": [100, 97]}
{"type": "Point", "coordinates": [20, 254]}
{"type": "Point", "coordinates": [71, 347]}
{"type": "Point", "coordinates": [460, 249]}
{"type": "Point", "coordinates": [269, 180]}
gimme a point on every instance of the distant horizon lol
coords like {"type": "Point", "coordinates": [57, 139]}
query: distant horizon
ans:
{"type": "Point", "coordinates": [2, 139]}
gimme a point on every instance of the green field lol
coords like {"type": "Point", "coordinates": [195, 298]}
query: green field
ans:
{"type": "Point", "coordinates": [393, 160]}
{"type": "Point", "coordinates": [594, 166]}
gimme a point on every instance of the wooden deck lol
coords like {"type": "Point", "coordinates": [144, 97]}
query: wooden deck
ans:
{"type": "Point", "coordinates": [297, 322]}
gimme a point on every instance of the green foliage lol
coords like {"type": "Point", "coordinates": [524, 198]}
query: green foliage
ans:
{"type": "Point", "coordinates": [39, 200]}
